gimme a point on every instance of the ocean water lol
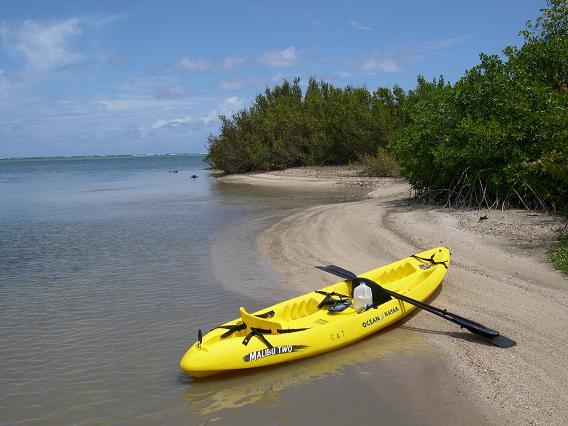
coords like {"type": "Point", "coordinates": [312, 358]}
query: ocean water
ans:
{"type": "Point", "coordinates": [106, 274]}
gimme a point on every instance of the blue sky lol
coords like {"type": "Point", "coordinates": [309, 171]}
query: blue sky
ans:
{"type": "Point", "coordinates": [119, 77]}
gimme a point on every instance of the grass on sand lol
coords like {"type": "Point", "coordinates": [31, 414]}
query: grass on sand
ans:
{"type": "Point", "coordinates": [560, 254]}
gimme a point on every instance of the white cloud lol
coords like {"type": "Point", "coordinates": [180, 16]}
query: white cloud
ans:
{"type": "Point", "coordinates": [188, 64]}
{"type": "Point", "coordinates": [4, 85]}
{"type": "Point", "coordinates": [172, 91]}
{"type": "Point", "coordinates": [377, 63]}
{"type": "Point", "coordinates": [231, 62]}
{"type": "Point", "coordinates": [231, 105]}
{"type": "Point", "coordinates": [360, 27]}
{"type": "Point", "coordinates": [228, 106]}
{"type": "Point", "coordinates": [195, 65]}
{"type": "Point", "coordinates": [118, 60]}
{"type": "Point", "coordinates": [127, 104]}
{"type": "Point", "coordinates": [87, 64]}
{"type": "Point", "coordinates": [44, 45]}
{"type": "Point", "coordinates": [280, 58]}
{"type": "Point", "coordinates": [393, 60]}
{"type": "Point", "coordinates": [235, 83]}
{"type": "Point", "coordinates": [100, 21]}
{"type": "Point", "coordinates": [175, 122]}
{"type": "Point", "coordinates": [444, 44]}
{"type": "Point", "coordinates": [342, 74]}
{"type": "Point", "coordinates": [187, 123]}
{"type": "Point", "coordinates": [131, 104]}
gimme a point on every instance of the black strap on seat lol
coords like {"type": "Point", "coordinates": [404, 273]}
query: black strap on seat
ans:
{"type": "Point", "coordinates": [257, 332]}
{"type": "Point", "coordinates": [242, 326]}
{"type": "Point", "coordinates": [329, 298]}
{"type": "Point", "coordinates": [431, 260]}
{"type": "Point", "coordinates": [333, 293]}
{"type": "Point", "coordinates": [232, 329]}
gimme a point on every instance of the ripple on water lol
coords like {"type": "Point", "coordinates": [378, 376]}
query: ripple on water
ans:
{"type": "Point", "coordinates": [105, 277]}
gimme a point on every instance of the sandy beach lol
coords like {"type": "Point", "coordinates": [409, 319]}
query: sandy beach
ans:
{"type": "Point", "coordinates": [500, 276]}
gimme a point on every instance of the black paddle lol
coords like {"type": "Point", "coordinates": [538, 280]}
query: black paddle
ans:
{"type": "Point", "coordinates": [485, 333]}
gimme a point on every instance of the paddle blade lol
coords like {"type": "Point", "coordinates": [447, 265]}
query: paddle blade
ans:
{"type": "Point", "coordinates": [480, 330]}
{"type": "Point", "coordinates": [500, 341]}
{"type": "Point", "coordinates": [340, 272]}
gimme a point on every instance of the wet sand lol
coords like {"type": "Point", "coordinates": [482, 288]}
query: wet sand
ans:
{"type": "Point", "coordinates": [500, 276]}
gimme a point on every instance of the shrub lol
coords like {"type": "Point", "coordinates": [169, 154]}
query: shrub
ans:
{"type": "Point", "coordinates": [324, 126]}
{"type": "Point", "coordinates": [383, 164]}
{"type": "Point", "coordinates": [499, 135]}
{"type": "Point", "coordinates": [559, 254]}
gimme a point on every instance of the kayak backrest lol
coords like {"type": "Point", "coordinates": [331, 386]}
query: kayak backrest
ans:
{"type": "Point", "coordinates": [252, 321]}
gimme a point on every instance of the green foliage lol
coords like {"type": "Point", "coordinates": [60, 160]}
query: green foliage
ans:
{"type": "Point", "coordinates": [382, 164]}
{"type": "Point", "coordinates": [559, 254]}
{"type": "Point", "coordinates": [500, 134]}
{"type": "Point", "coordinates": [326, 125]}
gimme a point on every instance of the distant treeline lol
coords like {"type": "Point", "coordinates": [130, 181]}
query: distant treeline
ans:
{"type": "Point", "coordinates": [326, 125]}
{"type": "Point", "coordinates": [498, 136]}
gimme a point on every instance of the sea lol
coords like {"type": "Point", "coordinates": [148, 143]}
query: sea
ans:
{"type": "Point", "coordinates": [109, 265]}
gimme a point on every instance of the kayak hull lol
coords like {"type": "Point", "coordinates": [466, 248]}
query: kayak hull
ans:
{"type": "Point", "coordinates": [297, 328]}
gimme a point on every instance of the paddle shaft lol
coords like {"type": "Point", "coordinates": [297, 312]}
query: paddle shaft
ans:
{"type": "Point", "coordinates": [468, 324]}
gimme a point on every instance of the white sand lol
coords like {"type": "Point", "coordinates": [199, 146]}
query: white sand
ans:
{"type": "Point", "coordinates": [500, 276]}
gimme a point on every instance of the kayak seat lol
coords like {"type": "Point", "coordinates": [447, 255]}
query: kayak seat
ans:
{"type": "Point", "coordinates": [252, 321]}
{"type": "Point", "coordinates": [299, 309]}
{"type": "Point", "coordinates": [396, 274]}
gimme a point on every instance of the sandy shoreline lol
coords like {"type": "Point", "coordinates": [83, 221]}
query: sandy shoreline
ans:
{"type": "Point", "coordinates": [499, 276]}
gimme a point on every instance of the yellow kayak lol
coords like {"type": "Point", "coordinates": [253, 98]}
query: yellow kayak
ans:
{"type": "Point", "coordinates": [317, 322]}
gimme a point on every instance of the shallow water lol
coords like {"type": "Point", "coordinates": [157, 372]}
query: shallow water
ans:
{"type": "Point", "coordinates": [108, 266]}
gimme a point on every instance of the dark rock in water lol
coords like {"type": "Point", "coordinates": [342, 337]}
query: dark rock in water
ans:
{"type": "Point", "coordinates": [172, 171]}
{"type": "Point", "coordinates": [194, 176]}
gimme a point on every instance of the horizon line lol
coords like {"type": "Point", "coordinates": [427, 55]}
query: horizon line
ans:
{"type": "Point", "coordinates": [100, 156]}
